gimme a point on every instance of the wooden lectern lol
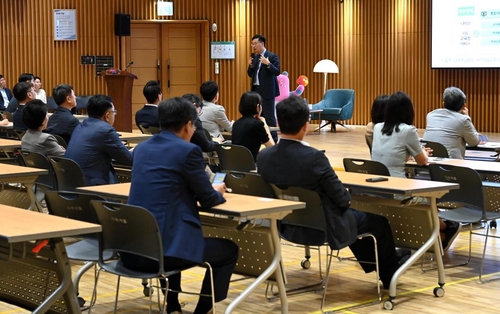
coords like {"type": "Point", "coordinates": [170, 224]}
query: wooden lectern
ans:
{"type": "Point", "coordinates": [120, 90]}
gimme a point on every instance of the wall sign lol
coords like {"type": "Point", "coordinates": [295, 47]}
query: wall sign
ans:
{"type": "Point", "coordinates": [64, 24]}
{"type": "Point", "coordinates": [222, 50]}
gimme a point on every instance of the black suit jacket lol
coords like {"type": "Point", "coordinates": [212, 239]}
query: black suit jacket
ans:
{"type": "Point", "coordinates": [62, 123]}
{"type": "Point", "coordinates": [268, 76]}
{"type": "Point", "coordinates": [290, 163]}
{"type": "Point", "coordinates": [147, 116]}
{"type": "Point", "coordinates": [9, 96]}
{"type": "Point", "coordinates": [199, 138]}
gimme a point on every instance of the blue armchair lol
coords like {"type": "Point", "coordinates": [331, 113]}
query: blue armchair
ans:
{"type": "Point", "coordinates": [337, 105]}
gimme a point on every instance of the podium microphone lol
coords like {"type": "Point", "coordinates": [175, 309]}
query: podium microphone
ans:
{"type": "Point", "coordinates": [128, 65]}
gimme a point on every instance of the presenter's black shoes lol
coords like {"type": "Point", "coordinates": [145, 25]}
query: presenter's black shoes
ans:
{"type": "Point", "coordinates": [450, 233]}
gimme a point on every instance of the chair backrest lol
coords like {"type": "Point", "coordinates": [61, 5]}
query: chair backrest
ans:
{"type": "Point", "coordinates": [235, 157]}
{"type": "Point", "coordinates": [129, 229]}
{"type": "Point", "coordinates": [60, 141]}
{"type": "Point", "coordinates": [81, 103]}
{"type": "Point", "coordinates": [339, 98]}
{"type": "Point", "coordinates": [51, 103]}
{"type": "Point", "coordinates": [207, 134]}
{"type": "Point", "coordinates": [248, 183]}
{"type": "Point", "coordinates": [7, 115]}
{"type": "Point", "coordinates": [73, 205]}
{"type": "Point", "coordinates": [37, 160]}
{"type": "Point", "coordinates": [365, 166]}
{"type": "Point", "coordinates": [471, 186]}
{"type": "Point", "coordinates": [146, 129]}
{"type": "Point", "coordinates": [438, 149]}
{"type": "Point", "coordinates": [311, 217]}
{"type": "Point", "coordinates": [18, 133]}
{"type": "Point", "coordinates": [69, 175]}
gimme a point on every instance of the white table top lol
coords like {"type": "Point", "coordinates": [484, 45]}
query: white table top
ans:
{"type": "Point", "coordinates": [9, 171]}
{"type": "Point", "coordinates": [133, 136]}
{"type": "Point", "coordinates": [6, 143]}
{"type": "Point", "coordinates": [19, 225]}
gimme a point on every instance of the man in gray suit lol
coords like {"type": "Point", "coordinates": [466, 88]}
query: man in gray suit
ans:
{"type": "Point", "coordinates": [213, 116]}
{"type": "Point", "coordinates": [451, 125]}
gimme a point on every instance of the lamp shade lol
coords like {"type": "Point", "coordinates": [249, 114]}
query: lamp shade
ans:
{"type": "Point", "coordinates": [326, 66]}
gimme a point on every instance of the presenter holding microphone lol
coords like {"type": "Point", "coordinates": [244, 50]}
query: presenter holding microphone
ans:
{"type": "Point", "coordinates": [263, 69]}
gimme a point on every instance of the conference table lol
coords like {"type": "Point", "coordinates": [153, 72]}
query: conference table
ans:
{"type": "Point", "coordinates": [24, 175]}
{"type": "Point", "coordinates": [29, 277]}
{"type": "Point", "coordinates": [245, 211]}
{"type": "Point", "coordinates": [493, 147]}
{"type": "Point", "coordinates": [414, 218]}
{"type": "Point", "coordinates": [133, 137]}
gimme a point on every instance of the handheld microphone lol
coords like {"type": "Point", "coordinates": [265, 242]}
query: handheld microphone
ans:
{"type": "Point", "coordinates": [252, 55]}
{"type": "Point", "coordinates": [128, 65]}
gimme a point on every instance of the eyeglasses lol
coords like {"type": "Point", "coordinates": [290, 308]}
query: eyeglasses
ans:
{"type": "Point", "coordinates": [113, 111]}
{"type": "Point", "coordinates": [255, 43]}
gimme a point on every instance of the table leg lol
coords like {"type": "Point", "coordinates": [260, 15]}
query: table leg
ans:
{"type": "Point", "coordinates": [275, 266]}
{"type": "Point", "coordinates": [65, 287]}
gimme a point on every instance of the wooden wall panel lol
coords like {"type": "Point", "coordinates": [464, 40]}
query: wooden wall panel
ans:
{"type": "Point", "coordinates": [380, 47]}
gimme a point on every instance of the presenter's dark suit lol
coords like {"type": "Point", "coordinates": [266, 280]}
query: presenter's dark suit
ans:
{"type": "Point", "coordinates": [3, 105]}
{"type": "Point", "coordinates": [147, 116]}
{"type": "Point", "coordinates": [312, 171]}
{"type": "Point", "coordinates": [62, 123]}
{"type": "Point", "coordinates": [94, 144]}
{"type": "Point", "coordinates": [168, 178]}
{"type": "Point", "coordinates": [268, 87]}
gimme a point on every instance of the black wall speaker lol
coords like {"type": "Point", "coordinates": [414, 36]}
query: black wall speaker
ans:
{"type": "Point", "coordinates": [122, 24]}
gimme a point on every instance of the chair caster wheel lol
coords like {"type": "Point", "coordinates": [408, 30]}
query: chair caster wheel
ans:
{"type": "Point", "coordinates": [81, 301]}
{"type": "Point", "coordinates": [306, 264]}
{"type": "Point", "coordinates": [493, 224]}
{"type": "Point", "coordinates": [439, 292]}
{"type": "Point", "coordinates": [388, 305]}
{"type": "Point", "coordinates": [146, 290]}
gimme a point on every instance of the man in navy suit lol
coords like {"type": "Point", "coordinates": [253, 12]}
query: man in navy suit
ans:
{"type": "Point", "coordinates": [94, 143]}
{"type": "Point", "coordinates": [168, 179]}
{"type": "Point", "coordinates": [13, 103]}
{"type": "Point", "coordinates": [313, 171]}
{"type": "Point", "coordinates": [5, 93]}
{"type": "Point", "coordinates": [148, 115]}
{"type": "Point", "coordinates": [23, 92]}
{"type": "Point", "coordinates": [264, 68]}
{"type": "Point", "coordinates": [62, 122]}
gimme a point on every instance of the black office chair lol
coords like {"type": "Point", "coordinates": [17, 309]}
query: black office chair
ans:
{"type": "Point", "coordinates": [133, 230]}
{"type": "Point", "coordinates": [308, 227]}
{"type": "Point", "coordinates": [248, 183]}
{"type": "Point", "coordinates": [75, 205]}
{"type": "Point", "coordinates": [235, 157]}
{"type": "Point", "coordinates": [146, 129]}
{"type": "Point", "coordinates": [438, 149]}
{"type": "Point", "coordinates": [51, 104]}
{"type": "Point", "coordinates": [468, 202]}
{"type": "Point", "coordinates": [7, 115]}
{"type": "Point", "coordinates": [60, 141]}
{"type": "Point", "coordinates": [368, 167]}
{"type": "Point", "coordinates": [81, 103]}
{"type": "Point", "coordinates": [69, 175]}
{"type": "Point", "coordinates": [36, 160]}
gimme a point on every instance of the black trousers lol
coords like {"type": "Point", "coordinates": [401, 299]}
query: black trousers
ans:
{"type": "Point", "coordinates": [268, 111]}
{"type": "Point", "coordinates": [363, 249]}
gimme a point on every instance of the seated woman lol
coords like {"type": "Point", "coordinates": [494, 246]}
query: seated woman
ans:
{"type": "Point", "coordinates": [35, 118]}
{"type": "Point", "coordinates": [40, 92]}
{"type": "Point", "coordinates": [377, 114]}
{"type": "Point", "coordinates": [396, 139]}
{"type": "Point", "coordinates": [251, 129]}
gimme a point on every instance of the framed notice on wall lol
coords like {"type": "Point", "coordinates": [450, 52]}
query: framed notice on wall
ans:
{"type": "Point", "coordinates": [64, 24]}
{"type": "Point", "coordinates": [222, 50]}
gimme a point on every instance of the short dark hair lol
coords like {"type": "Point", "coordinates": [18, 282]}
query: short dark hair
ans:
{"type": "Point", "coordinates": [261, 38]}
{"type": "Point", "coordinates": [37, 78]}
{"type": "Point", "coordinates": [453, 98]}
{"type": "Point", "coordinates": [60, 92]}
{"type": "Point", "coordinates": [1, 76]}
{"type": "Point", "coordinates": [399, 109]}
{"type": "Point", "coordinates": [194, 99]}
{"type": "Point", "coordinates": [209, 90]}
{"type": "Point", "coordinates": [98, 105]}
{"type": "Point", "coordinates": [292, 114]}
{"type": "Point", "coordinates": [378, 108]}
{"type": "Point", "coordinates": [34, 113]}
{"type": "Point", "coordinates": [248, 103]}
{"type": "Point", "coordinates": [151, 91]}
{"type": "Point", "coordinates": [25, 77]}
{"type": "Point", "coordinates": [175, 113]}
{"type": "Point", "coordinates": [21, 90]}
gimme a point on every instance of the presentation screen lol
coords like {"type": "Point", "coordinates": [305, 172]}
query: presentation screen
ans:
{"type": "Point", "coordinates": [465, 34]}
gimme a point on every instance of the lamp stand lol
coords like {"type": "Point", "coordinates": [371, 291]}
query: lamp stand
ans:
{"type": "Point", "coordinates": [324, 86]}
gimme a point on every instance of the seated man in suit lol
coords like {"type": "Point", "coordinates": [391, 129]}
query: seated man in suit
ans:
{"type": "Point", "coordinates": [62, 122]}
{"type": "Point", "coordinates": [315, 173]}
{"type": "Point", "coordinates": [169, 171]}
{"type": "Point", "coordinates": [35, 117]}
{"type": "Point", "coordinates": [148, 115]}
{"type": "Point", "coordinates": [5, 93]}
{"type": "Point", "coordinates": [213, 116]}
{"type": "Point", "coordinates": [23, 92]}
{"type": "Point", "coordinates": [95, 143]}
{"type": "Point", "coordinates": [451, 125]}
{"type": "Point", "coordinates": [13, 103]}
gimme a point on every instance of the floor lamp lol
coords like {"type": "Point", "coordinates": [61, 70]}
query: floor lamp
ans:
{"type": "Point", "coordinates": [325, 66]}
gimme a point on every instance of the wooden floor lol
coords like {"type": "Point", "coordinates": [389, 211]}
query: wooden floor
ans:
{"type": "Point", "coordinates": [350, 289]}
